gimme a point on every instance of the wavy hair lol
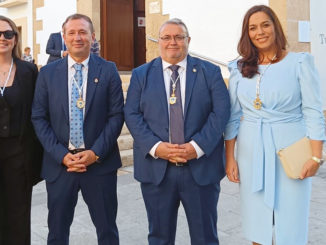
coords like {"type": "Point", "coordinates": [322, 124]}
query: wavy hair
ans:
{"type": "Point", "coordinates": [248, 64]}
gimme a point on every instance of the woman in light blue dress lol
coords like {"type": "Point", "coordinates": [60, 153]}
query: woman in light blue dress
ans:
{"type": "Point", "coordinates": [275, 101]}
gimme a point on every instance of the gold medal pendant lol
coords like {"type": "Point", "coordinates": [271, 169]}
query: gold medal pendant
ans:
{"type": "Point", "coordinates": [80, 103]}
{"type": "Point", "coordinates": [172, 99]}
{"type": "Point", "coordinates": [257, 103]}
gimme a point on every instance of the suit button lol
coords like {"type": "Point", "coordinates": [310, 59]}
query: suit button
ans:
{"type": "Point", "coordinates": [5, 127]}
{"type": "Point", "coordinates": [5, 109]}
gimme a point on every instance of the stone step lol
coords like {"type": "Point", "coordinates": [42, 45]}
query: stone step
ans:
{"type": "Point", "coordinates": [125, 79]}
{"type": "Point", "coordinates": [124, 130]}
{"type": "Point", "coordinates": [127, 157]}
{"type": "Point", "coordinates": [125, 142]}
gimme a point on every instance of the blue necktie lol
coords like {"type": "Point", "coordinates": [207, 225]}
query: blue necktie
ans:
{"type": "Point", "coordinates": [176, 113]}
{"type": "Point", "coordinates": [76, 114]}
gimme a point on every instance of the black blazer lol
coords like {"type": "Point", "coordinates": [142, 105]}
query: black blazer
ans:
{"type": "Point", "coordinates": [26, 75]}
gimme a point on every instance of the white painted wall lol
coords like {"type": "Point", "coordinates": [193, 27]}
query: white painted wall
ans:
{"type": "Point", "coordinates": [21, 11]}
{"type": "Point", "coordinates": [214, 26]}
{"type": "Point", "coordinates": [318, 41]}
{"type": "Point", "coordinates": [53, 15]}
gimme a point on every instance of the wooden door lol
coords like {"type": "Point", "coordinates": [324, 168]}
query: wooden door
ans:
{"type": "Point", "coordinates": [117, 32]}
{"type": "Point", "coordinates": [139, 32]}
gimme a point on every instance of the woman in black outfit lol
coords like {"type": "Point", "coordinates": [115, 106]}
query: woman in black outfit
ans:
{"type": "Point", "coordinates": [20, 152]}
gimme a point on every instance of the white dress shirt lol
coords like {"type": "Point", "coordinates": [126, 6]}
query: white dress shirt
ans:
{"type": "Point", "coordinates": [71, 74]}
{"type": "Point", "coordinates": [63, 44]}
{"type": "Point", "coordinates": [167, 73]}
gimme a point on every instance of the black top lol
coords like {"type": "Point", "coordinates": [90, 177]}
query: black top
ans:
{"type": "Point", "coordinates": [4, 118]}
{"type": "Point", "coordinates": [15, 118]}
{"type": "Point", "coordinates": [11, 111]}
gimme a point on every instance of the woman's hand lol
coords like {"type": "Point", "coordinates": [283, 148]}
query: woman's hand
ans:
{"type": "Point", "coordinates": [232, 170]}
{"type": "Point", "coordinates": [309, 169]}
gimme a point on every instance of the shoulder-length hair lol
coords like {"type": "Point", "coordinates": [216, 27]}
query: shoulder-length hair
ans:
{"type": "Point", "coordinates": [17, 50]}
{"type": "Point", "coordinates": [248, 64]}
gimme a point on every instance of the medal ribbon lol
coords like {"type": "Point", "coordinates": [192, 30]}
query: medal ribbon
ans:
{"type": "Point", "coordinates": [2, 90]}
{"type": "Point", "coordinates": [257, 101]}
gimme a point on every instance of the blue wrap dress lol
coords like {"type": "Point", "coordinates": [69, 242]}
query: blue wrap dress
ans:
{"type": "Point", "coordinates": [292, 109]}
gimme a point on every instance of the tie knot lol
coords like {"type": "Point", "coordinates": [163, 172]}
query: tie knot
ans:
{"type": "Point", "coordinates": [174, 68]}
{"type": "Point", "coordinates": [77, 66]}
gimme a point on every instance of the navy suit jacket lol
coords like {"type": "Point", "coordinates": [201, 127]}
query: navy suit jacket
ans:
{"type": "Point", "coordinates": [54, 47]}
{"type": "Point", "coordinates": [103, 118]}
{"type": "Point", "coordinates": [206, 112]}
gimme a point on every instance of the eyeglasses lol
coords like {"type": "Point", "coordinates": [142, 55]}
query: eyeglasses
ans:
{"type": "Point", "coordinates": [177, 38]}
{"type": "Point", "coordinates": [8, 34]}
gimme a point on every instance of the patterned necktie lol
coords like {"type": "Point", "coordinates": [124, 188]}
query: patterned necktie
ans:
{"type": "Point", "coordinates": [76, 114]}
{"type": "Point", "coordinates": [176, 114]}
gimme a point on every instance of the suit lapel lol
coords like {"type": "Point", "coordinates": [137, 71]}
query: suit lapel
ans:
{"type": "Point", "coordinates": [158, 81]}
{"type": "Point", "coordinates": [94, 70]}
{"type": "Point", "coordinates": [62, 84]}
{"type": "Point", "coordinates": [192, 71]}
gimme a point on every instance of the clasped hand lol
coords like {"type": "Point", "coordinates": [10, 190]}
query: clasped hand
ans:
{"type": "Point", "coordinates": [176, 153]}
{"type": "Point", "coordinates": [78, 162]}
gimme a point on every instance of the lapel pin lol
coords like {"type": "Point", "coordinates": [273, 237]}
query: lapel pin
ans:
{"type": "Point", "coordinates": [95, 80]}
{"type": "Point", "coordinates": [194, 70]}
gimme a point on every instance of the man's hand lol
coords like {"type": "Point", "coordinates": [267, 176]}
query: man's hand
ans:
{"type": "Point", "coordinates": [87, 157]}
{"type": "Point", "coordinates": [187, 152]}
{"type": "Point", "coordinates": [72, 164]}
{"type": "Point", "coordinates": [164, 150]}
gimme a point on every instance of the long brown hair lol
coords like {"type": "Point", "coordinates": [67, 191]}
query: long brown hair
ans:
{"type": "Point", "coordinates": [17, 50]}
{"type": "Point", "coordinates": [248, 65]}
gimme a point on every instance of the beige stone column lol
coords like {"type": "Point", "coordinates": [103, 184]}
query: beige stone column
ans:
{"type": "Point", "coordinates": [289, 13]}
{"type": "Point", "coordinates": [22, 22]}
{"type": "Point", "coordinates": [154, 20]}
{"type": "Point", "coordinates": [37, 26]}
{"type": "Point", "coordinates": [91, 8]}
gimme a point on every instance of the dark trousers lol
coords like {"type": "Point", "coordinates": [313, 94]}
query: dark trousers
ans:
{"type": "Point", "coordinates": [162, 203]}
{"type": "Point", "coordinates": [100, 194]}
{"type": "Point", "coordinates": [16, 193]}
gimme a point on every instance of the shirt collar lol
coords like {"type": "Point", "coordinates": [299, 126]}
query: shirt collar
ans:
{"type": "Point", "coordinates": [182, 64]}
{"type": "Point", "coordinates": [71, 62]}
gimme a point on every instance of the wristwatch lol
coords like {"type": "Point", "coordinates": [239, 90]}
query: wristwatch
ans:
{"type": "Point", "coordinates": [318, 160]}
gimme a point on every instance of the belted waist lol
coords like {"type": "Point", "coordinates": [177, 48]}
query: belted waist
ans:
{"type": "Point", "coordinates": [178, 164]}
{"type": "Point", "coordinates": [264, 155]}
{"type": "Point", "coordinates": [74, 151]}
{"type": "Point", "coordinates": [284, 119]}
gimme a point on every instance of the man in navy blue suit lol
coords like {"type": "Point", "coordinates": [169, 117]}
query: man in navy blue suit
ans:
{"type": "Point", "coordinates": [56, 48]}
{"type": "Point", "coordinates": [78, 115]}
{"type": "Point", "coordinates": [176, 110]}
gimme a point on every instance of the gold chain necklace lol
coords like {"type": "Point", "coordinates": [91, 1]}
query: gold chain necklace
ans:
{"type": "Point", "coordinates": [257, 102]}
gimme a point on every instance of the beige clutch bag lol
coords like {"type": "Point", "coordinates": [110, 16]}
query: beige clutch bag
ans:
{"type": "Point", "coordinates": [295, 156]}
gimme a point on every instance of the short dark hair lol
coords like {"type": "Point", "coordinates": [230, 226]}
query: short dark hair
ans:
{"type": "Point", "coordinates": [77, 17]}
{"type": "Point", "coordinates": [249, 63]}
{"type": "Point", "coordinates": [16, 52]}
{"type": "Point", "coordinates": [175, 21]}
